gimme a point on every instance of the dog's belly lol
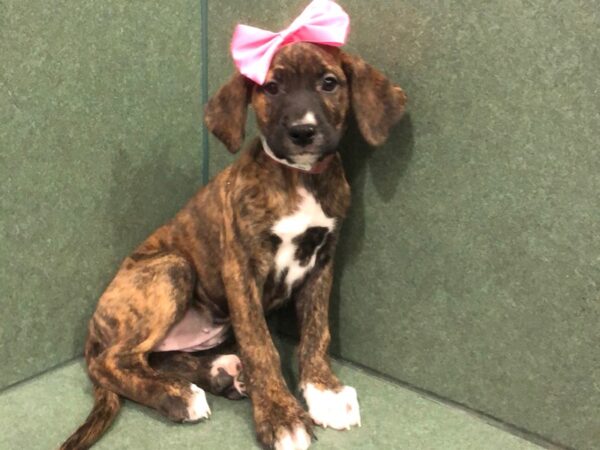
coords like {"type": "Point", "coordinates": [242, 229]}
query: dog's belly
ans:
{"type": "Point", "coordinates": [301, 235]}
{"type": "Point", "coordinates": [194, 332]}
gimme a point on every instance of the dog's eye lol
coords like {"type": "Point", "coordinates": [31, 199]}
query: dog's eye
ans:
{"type": "Point", "coordinates": [329, 83]}
{"type": "Point", "coordinates": [271, 88]}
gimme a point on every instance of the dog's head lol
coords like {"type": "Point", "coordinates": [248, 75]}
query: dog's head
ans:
{"type": "Point", "coordinates": [301, 109]}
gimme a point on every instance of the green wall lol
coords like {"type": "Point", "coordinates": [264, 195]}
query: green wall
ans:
{"type": "Point", "coordinates": [100, 142]}
{"type": "Point", "coordinates": [470, 264]}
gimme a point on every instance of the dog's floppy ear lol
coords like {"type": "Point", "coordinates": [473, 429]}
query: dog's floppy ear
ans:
{"type": "Point", "coordinates": [377, 103]}
{"type": "Point", "coordinates": [225, 112]}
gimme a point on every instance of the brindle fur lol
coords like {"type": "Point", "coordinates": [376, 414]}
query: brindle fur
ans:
{"type": "Point", "coordinates": [217, 254]}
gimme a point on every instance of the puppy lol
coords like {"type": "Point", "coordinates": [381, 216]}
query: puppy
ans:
{"type": "Point", "coordinates": [185, 312]}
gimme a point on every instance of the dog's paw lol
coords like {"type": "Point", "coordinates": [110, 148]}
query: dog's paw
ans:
{"type": "Point", "coordinates": [298, 439]}
{"type": "Point", "coordinates": [227, 377]}
{"type": "Point", "coordinates": [328, 408]}
{"type": "Point", "coordinates": [197, 407]}
{"type": "Point", "coordinates": [282, 424]}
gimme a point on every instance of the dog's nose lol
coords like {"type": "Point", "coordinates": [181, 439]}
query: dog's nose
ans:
{"type": "Point", "coordinates": [302, 134]}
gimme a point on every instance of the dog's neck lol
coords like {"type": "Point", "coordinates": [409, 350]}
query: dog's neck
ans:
{"type": "Point", "coordinates": [315, 168]}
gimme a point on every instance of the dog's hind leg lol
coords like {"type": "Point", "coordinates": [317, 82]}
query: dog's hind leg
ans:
{"type": "Point", "coordinates": [147, 296]}
{"type": "Point", "coordinates": [217, 371]}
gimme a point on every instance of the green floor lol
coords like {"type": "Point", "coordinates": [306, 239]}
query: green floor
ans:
{"type": "Point", "coordinates": [39, 414]}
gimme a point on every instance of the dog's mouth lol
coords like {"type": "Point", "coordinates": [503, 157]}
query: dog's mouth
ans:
{"type": "Point", "coordinates": [316, 151]}
{"type": "Point", "coordinates": [303, 157]}
{"type": "Point", "coordinates": [306, 158]}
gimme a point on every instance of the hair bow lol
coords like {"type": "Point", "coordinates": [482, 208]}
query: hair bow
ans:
{"type": "Point", "coordinates": [322, 22]}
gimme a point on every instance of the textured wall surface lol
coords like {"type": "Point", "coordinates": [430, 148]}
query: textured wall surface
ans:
{"type": "Point", "coordinates": [99, 143]}
{"type": "Point", "coordinates": [470, 265]}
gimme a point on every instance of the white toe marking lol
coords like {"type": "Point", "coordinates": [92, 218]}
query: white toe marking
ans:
{"type": "Point", "coordinates": [299, 440]}
{"type": "Point", "coordinates": [198, 408]}
{"type": "Point", "coordinates": [233, 366]}
{"type": "Point", "coordinates": [230, 363]}
{"type": "Point", "coordinates": [337, 410]}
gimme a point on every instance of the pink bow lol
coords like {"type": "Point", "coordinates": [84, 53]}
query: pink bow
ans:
{"type": "Point", "coordinates": [322, 22]}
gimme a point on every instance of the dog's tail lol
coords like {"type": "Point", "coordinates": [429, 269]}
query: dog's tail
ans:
{"type": "Point", "coordinates": [106, 407]}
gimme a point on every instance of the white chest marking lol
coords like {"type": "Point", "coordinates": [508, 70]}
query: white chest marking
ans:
{"type": "Point", "coordinates": [309, 214]}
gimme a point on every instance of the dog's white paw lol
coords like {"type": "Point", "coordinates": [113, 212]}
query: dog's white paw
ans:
{"type": "Point", "coordinates": [198, 407]}
{"type": "Point", "coordinates": [337, 410]}
{"type": "Point", "coordinates": [298, 440]}
{"type": "Point", "coordinates": [232, 365]}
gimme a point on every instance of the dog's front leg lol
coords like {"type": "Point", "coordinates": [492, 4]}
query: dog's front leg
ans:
{"type": "Point", "coordinates": [281, 423]}
{"type": "Point", "coordinates": [329, 403]}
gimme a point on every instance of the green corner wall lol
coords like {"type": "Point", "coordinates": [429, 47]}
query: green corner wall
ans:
{"type": "Point", "coordinates": [100, 142]}
{"type": "Point", "coordinates": [470, 265]}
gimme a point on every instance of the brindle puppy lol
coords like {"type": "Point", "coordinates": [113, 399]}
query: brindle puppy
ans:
{"type": "Point", "coordinates": [259, 234]}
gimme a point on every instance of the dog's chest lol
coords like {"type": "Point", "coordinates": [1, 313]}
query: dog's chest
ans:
{"type": "Point", "coordinates": [300, 236]}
